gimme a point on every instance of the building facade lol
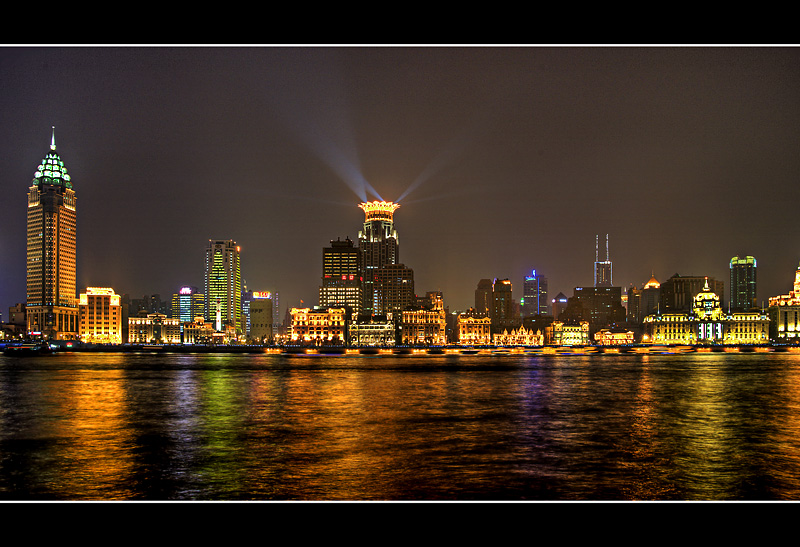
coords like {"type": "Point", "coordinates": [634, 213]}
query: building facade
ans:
{"type": "Point", "coordinates": [154, 328]}
{"type": "Point", "coordinates": [425, 325]}
{"type": "Point", "coordinates": [392, 289]}
{"type": "Point", "coordinates": [100, 316]}
{"type": "Point", "coordinates": [223, 285]}
{"type": "Point", "coordinates": [377, 247]}
{"type": "Point", "coordinates": [784, 314]}
{"type": "Point", "coordinates": [187, 304]}
{"type": "Point", "coordinates": [677, 293]}
{"type": "Point", "coordinates": [562, 333]}
{"type": "Point", "coordinates": [534, 295]}
{"type": "Point", "coordinates": [341, 278]}
{"type": "Point", "coordinates": [474, 328]}
{"type": "Point", "coordinates": [707, 323]}
{"type": "Point", "coordinates": [261, 317]}
{"type": "Point", "coordinates": [743, 283]}
{"type": "Point", "coordinates": [319, 325]}
{"type": "Point", "coordinates": [51, 303]}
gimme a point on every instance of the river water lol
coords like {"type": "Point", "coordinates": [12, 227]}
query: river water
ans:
{"type": "Point", "coordinates": [140, 426]}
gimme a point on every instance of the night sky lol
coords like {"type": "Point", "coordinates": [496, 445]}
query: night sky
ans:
{"type": "Point", "coordinates": [504, 160]}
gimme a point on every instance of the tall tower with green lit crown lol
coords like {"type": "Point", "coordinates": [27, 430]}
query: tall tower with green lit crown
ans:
{"type": "Point", "coordinates": [51, 303]}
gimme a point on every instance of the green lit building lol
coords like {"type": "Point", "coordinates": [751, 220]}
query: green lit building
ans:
{"type": "Point", "coordinates": [223, 285]}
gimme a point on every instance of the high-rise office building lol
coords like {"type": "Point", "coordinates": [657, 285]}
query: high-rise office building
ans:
{"type": "Point", "coordinates": [677, 293]}
{"type": "Point", "coordinates": [377, 247]}
{"type": "Point", "coordinates": [534, 295]}
{"type": "Point", "coordinates": [602, 269]}
{"type": "Point", "coordinates": [483, 297]}
{"type": "Point", "coordinates": [393, 289]}
{"type": "Point", "coordinates": [187, 304]}
{"type": "Point", "coordinates": [341, 279]}
{"type": "Point", "coordinates": [51, 304]}
{"type": "Point", "coordinates": [743, 283]}
{"type": "Point", "coordinates": [502, 311]}
{"type": "Point", "coordinates": [223, 285]}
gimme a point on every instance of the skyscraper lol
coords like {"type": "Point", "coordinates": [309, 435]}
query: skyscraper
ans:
{"type": "Point", "coordinates": [51, 304]}
{"type": "Point", "coordinates": [341, 280]}
{"type": "Point", "coordinates": [743, 283]}
{"type": "Point", "coordinates": [534, 295]}
{"type": "Point", "coordinates": [187, 304]}
{"type": "Point", "coordinates": [377, 247]}
{"type": "Point", "coordinates": [502, 311]}
{"type": "Point", "coordinates": [223, 285]}
{"type": "Point", "coordinates": [602, 270]}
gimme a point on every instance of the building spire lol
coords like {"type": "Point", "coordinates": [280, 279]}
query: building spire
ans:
{"type": "Point", "coordinates": [53, 139]}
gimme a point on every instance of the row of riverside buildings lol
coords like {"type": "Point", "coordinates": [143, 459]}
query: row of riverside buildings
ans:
{"type": "Point", "coordinates": [367, 297]}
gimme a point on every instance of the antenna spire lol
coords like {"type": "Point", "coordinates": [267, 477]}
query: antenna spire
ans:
{"type": "Point", "coordinates": [53, 139]}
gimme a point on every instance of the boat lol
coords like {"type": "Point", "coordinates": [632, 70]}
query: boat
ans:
{"type": "Point", "coordinates": [27, 350]}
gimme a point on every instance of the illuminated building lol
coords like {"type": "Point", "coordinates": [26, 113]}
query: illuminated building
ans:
{"type": "Point", "coordinates": [743, 283]}
{"type": "Point", "coordinates": [534, 295]}
{"type": "Point", "coordinates": [784, 313]}
{"type": "Point", "coordinates": [154, 328]}
{"type": "Point", "coordinates": [187, 304]}
{"type": "Point", "coordinates": [602, 305]}
{"type": "Point", "coordinates": [602, 270]}
{"type": "Point", "coordinates": [198, 331]}
{"type": "Point", "coordinates": [319, 325]}
{"type": "Point", "coordinates": [392, 288]}
{"type": "Point", "coordinates": [474, 328]}
{"type": "Point", "coordinates": [223, 285]}
{"type": "Point", "coordinates": [371, 330]}
{"type": "Point", "coordinates": [502, 310]}
{"type": "Point", "coordinates": [100, 315]}
{"type": "Point", "coordinates": [519, 337]}
{"type": "Point", "coordinates": [559, 304]}
{"type": "Point", "coordinates": [51, 304]}
{"type": "Point", "coordinates": [261, 316]}
{"type": "Point", "coordinates": [483, 297]}
{"type": "Point", "coordinates": [377, 248]}
{"type": "Point", "coordinates": [425, 324]}
{"type": "Point", "coordinates": [677, 293]}
{"type": "Point", "coordinates": [613, 337]}
{"type": "Point", "coordinates": [644, 301]}
{"type": "Point", "coordinates": [562, 333]}
{"type": "Point", "coordinates": [341, 279]}
{"type": "Point", "coordinates": [706, 323]}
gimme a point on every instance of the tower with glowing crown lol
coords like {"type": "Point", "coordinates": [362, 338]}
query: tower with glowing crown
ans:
{"type": "Point", "coordinates": [378, 247]}
{"type": "Point", "coordinates": [51, 302]}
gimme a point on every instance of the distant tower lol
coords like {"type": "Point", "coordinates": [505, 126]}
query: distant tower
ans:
{"type": "Point", "coordinates": [743, 283]}
{"type": "Point", "coordinates": [602, 270]}
{"type": "Point", "coordinates": [502, 311]}
{"type": "Point", "coordinates": [377, 246]}
{"type": "Point", "coordinates": [534, 295]}
{"type": "Point", "coordinates": [223, 284]}
{"type": "Point", "coordinates": [483, 297]}
{"type": "Point", "coordinates": [51, 304]}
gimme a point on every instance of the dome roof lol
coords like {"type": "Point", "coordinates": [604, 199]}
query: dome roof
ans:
{"type": "Point", "coordinates": [52, 169]}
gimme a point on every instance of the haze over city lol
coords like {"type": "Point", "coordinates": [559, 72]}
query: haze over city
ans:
{"type": "Point", "coordinates": [504, 160]}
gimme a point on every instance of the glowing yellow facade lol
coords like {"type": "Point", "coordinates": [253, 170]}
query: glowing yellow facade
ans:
{"type": "Point", "coordinates": [474, 330]}
{"type": "Point", "coordinates": [155, 328]}
{"type": "Point", "coordinates": [519, 337]}
{"type": "Point", "coordinates": [707, 323]}
{"type": "Point", "coordinates": [51, 305]}
{"type": "Point", "coordinates": [100, 315]}
{"type": "Point", "coordinates": [425, 325]}
{"type": "Point", "coordinates": [784, 313]}
{"type": "Point", "coordinates": [319, 325]}
{"type": "Point", "coordinates": [565, 334]}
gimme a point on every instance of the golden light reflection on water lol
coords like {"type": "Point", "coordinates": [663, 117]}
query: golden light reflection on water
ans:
{"type": "Point", "coordinates": [694, 427]}
{"type": "Point", "coordinates": [91, 458]}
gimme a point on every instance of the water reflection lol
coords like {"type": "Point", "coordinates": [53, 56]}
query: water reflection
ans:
{"type": "Point", "coordinates": [529, 427]}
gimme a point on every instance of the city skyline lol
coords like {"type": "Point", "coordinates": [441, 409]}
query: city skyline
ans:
{"type": "Point", "coordinates": [270, 163]}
